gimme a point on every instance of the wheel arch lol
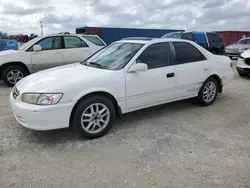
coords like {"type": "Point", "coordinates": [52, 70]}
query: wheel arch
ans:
{"type": "Point", "coordinates": [19, 63]}
{"type": "Point", "coordinates": [218, 79]}
{"type": "Point", "coordinates": [100, 93]}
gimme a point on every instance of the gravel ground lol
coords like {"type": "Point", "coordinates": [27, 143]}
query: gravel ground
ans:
{"type": "Point", "coordinates": [173, 145]}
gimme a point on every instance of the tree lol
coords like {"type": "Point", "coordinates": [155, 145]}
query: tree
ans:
{"type": "Point", "coordinates": [3, 35]}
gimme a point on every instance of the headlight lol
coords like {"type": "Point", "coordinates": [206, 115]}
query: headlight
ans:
{"type": "Point", "coordinates": [41, 98]}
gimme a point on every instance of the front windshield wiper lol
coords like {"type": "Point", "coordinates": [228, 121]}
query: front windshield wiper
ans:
{"type": "Point", "coordinates": [95, 64]}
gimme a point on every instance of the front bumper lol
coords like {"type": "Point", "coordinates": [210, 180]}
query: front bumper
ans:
{"type": "Point", "coordinates": [41, 117]}
{"type": "Point", "coordinates": [242, 67]}
{"type": "Point", "coordinates": [243, 70]}
{"type": "Point", "coordinates": [232, 52]}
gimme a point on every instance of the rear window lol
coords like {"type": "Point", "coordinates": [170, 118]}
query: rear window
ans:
{"type": "Point", "coordinates": [214, 37]}
{"type": "Point", "coordinates": [95, 40]}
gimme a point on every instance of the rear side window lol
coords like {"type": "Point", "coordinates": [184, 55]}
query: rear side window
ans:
{"type": "Point", "coordinates": [156, 55]}
{"type": "Point", "coordinates": [187, 53]}
{"type": "Point", "coordinates": [74, 42]}
{"type": "Point", "coordinates": [94, 40]}
{"type": "Point", "coordinates": [214, 37]}
{"type": "Point", "coordinates": [173, 35]}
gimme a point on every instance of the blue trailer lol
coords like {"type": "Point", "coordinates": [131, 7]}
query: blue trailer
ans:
{"type": "Point", "coordinates": [6, 44]}
{"type": "Point", "coordinates": [109, 34]}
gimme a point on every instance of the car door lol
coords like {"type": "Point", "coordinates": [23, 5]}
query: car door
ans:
{"type": "Point", "coordinates": [50, 56]}
{"type": "Point", "coordinates": [75, 50]}
{"type": "Point", "coordinates": [155, 85]}
{"type": "Point", "coordinates": [192, 69]}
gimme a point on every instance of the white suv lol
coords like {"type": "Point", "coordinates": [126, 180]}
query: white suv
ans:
{"type": "Point", "coordinates": [127, 75]}
{"type": "Point", "coordinates": [46, 52]}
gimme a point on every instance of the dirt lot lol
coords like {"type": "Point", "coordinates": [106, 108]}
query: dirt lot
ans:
{"type": "Point", "coordinates": [174, 145]}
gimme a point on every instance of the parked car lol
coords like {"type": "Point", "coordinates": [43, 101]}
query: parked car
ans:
{"type": "Point", "coordinates": [209, 40]}
{"type": "Point", "coordinates": [46, 52]}
{"type": "Point", "coordinates": [238, 47]}
{"type": "Point", "coordinates": [127, 75]}
{"type": "Point", "coordinates": [243, 63]}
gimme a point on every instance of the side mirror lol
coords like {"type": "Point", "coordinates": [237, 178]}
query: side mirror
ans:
{"type": "Point", "coordinates": [37, 48]}
{"type": "Point", "coordinates": [138, 67]}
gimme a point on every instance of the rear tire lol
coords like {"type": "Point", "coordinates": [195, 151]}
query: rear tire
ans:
{"type": "Point", "coordinates": [93, 117]}
{"type": "Point", "coordinates": [208, 92]}
{"type": "Point", "coordinates": [12, 74]}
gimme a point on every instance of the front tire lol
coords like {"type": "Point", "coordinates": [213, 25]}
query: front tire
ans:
{"type": "Point", "coordinates": [12, 74]}
{"type": "Point", "coordinates": [208, 92]}
{"type": "Point", "coordinates": [94, 116]}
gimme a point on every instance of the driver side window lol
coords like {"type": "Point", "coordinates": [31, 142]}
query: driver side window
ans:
{"type": "Point", "coordinates": [49, 43]}
{"type": "Point", "coordinates": [156, 55]}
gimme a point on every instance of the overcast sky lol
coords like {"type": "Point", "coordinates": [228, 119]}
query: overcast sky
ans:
{"type": "Point", "coordinates": [23, 16]}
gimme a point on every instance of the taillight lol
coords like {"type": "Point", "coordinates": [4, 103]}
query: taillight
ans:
{"type": "Point", "coordinates": [231, 65]}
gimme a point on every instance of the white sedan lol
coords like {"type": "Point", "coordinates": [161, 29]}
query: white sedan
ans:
{"type": "Point", "coordinates": [127, 75]}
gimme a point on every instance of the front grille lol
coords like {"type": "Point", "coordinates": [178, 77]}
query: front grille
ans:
{"type": "Point", "coordinates": [247, 61]}
{"type": "Point", "coordinates": [246, 69]}
{"type": "Point", "coordinates": [15, 93]}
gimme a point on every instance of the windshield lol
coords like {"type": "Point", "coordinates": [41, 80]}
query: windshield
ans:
{"type": "Point", "coordinates": [173, 35]}
{"type": "Point", "coordinates": [241, 42]}
{"type": "Point", "coordinates": [27, 44]}
{"type": "Point", "coordinates": [115, 56]}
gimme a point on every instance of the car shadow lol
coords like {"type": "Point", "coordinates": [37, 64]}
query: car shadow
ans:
{"type": "Point", "coordinates": [2, 85]}
{"type": "Point", "coordinates": [245, 77]}
{"type": "Point", "coordinates": [62, 136]}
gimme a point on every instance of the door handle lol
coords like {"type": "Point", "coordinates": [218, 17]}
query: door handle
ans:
{"type": "Point", "coordinates": [169, 75]}
{"type": "Point", "coordinates": [58, 52]}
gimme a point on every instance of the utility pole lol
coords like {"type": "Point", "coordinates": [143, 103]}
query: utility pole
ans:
{"type": "Point", "coordinates": [41, 25]}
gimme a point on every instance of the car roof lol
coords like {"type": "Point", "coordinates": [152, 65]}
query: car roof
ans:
{"type": "Point", "coordinates": [54, 35]}
{"type": "Point", "coordinates": [153, 40]}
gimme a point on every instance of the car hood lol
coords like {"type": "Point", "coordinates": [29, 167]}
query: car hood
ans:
{"type": "Point", "coordinates": [60, 79]}
{"type": "Point", "coordinates": [233, 46]}
{"type": "Point", "coordinates": [8, 52]}
{"type": "Point", "coordinates": [246, 54]}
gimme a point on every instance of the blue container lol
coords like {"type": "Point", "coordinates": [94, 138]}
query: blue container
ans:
{"type": "Point", "coordinates": [110, 35]}
{"type": "Point", "coordinates": [6, 44]}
